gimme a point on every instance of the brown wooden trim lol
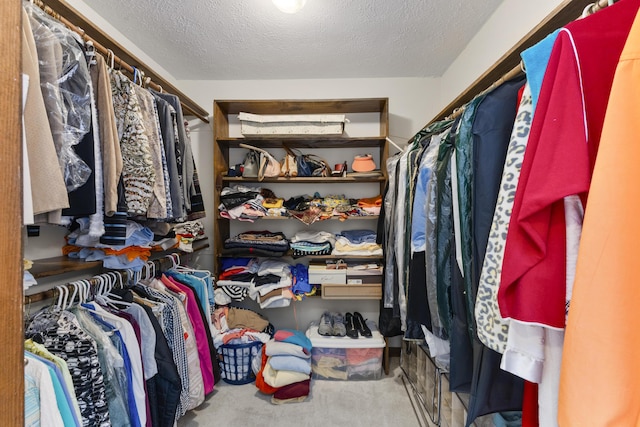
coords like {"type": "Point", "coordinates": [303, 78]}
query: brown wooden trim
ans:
{"type": "Point", "coordinates": [566, 12]}
{"type": "Point", "coordinates": [89, 29]}
{"type": "Point", "coordinates": [302, 106]}
{"type": "Point", "coordinates": [11, 332]}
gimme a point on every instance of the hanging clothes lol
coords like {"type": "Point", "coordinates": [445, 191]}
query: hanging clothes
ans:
{"type": "Point", "coordinates": [492, 389]}
{"type": "Point", "coordinates": [183, 153]}
{"type": "Point", "coordinates": [138, 175]}
{"type": "Point", "coordinates": [48, 190]}
{"type": "Point", "coordinates": [418, 312]}
{"type": "Point", "coordinates": [581, 67]}
{"type": "Point", "coordinates": [109, 142]}
{"type": "Point", "coordinates": [600, 369]}
{"type": "Point", "coordinates": [570, 109]}
{"type": "Point", "coordinates": [168, 127]}
{"type": "Point", "coordinates": [158, 203]}
{"type": "Point", "coordinates": [61, 334]}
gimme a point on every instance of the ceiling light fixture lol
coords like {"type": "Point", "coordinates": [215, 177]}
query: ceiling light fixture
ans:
{"type": "Point", "coordinates": [289, 6]}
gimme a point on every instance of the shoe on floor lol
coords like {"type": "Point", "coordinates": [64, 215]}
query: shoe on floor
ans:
{"type": "Point", "coordinates": [325, 327]}
{"type": "Point", "coordinates": [339, 328]}
{"type": "Point", "coordinates": [361, 325]}
{"type": "Point", "coordinates": [351, 330]}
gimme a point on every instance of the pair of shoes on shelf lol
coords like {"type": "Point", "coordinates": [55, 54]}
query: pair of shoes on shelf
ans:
{"type": "Point", "coordinates": [332, 324]}
{"type": "Point", "coordinates": [357, 325]}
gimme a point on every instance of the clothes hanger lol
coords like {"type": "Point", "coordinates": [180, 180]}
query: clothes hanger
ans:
{"type": "Point", "coordinates": [62, 293]}
{"type": "Point", "coordinates": [82, 292]}
{"type": "Point", "coordinates": [117, 278]}
{"type": "Point", "coordinates": [110, 59]}
{"type": "Point", "coordinates": [69, 301]}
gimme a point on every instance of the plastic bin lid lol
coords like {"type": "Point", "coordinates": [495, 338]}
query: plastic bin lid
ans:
{"type": "Point", "coordinates": [317, 340]}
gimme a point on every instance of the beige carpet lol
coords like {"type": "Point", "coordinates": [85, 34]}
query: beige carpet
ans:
{"type": "Point", "coordinates": [375, 403]}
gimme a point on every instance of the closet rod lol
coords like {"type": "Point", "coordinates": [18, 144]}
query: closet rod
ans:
{"type": "Point", "coordinates": [508, 66]}
{"type": "Point", "coordinates": [124, 275]}
{"type": "Point", "coordinates": [75, 21]}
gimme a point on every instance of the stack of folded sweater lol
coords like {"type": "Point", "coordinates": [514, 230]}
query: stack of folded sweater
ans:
{"type": "Point", "coordinates": [371, 205]}
{"type": "Point", "coordinates": [271, 286]}
{"type": "Point", "coordinates": [235, 279]}
{"type": "Point", "coordinates": [357, 242]}
{"type": "Point", "coordinates": [268, 282]}
{"type": "Point", "coordinates": [285, 372]}
{"type": "Point", "coordinates": [240, 202]}
{"type": "Point", "coordinates": [257, 243]}
{"type": "Point", "coordinates": [305, 243]}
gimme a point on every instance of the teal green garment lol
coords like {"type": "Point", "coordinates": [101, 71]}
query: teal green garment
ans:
{"type": "Point", "coordinates": [464, 173]}
{"type": "Point", "coordinates": [444, 230]}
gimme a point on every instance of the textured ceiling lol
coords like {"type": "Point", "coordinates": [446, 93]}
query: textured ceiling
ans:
{"type": "Point", "coordinates": [251, 39]}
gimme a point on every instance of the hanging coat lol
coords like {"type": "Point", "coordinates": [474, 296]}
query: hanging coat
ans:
{"type": "Point", "coordinates": [492, 389]}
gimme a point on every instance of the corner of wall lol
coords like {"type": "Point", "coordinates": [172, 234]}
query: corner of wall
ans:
{"type": "Point", "coordinates": [511, 21]}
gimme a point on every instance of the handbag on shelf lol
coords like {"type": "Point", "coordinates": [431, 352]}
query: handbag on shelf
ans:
{"type": "Point", "coordinates": [313, 165]}
{"type": "Point", "coordinates": [289, 165]}
{"type": "Point", "coordinates": [251, 164]}
{"type": "Point", "coordinates": [268, 166]}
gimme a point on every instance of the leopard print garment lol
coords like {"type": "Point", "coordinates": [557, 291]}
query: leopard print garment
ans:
{"type": "Point", "coordinates": [138, 174]}
{"type": "Point", "coordinates": [492, 328]}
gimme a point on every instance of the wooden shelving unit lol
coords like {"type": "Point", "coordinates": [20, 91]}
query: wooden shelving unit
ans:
{"type": "Point", "coordinates": [227, 139]}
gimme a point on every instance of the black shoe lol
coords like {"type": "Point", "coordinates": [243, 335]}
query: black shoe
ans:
{"type": "Point", "coordinates": [352, 332]}
{"type": "Point", "coordinates": [360, 325]}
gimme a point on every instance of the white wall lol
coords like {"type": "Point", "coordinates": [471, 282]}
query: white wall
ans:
{"type": "Point", "coordinates": [509, 24]}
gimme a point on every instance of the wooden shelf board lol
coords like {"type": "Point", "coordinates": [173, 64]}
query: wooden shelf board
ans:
{"type": "Point", "coordinates": [306, 180]}
{"type": "Point", "coordinates": [54, 266]}
{"type": "Point", "coordinates": [311, 257]}
{"type": "Point", "coordinates": [314, 142]}
{"type": "Point", "coordinates": [47, 267]}
{"type": "Point", "coordinates": [333, 218]}
{"type": "Point", "coordinates": [302, 106]}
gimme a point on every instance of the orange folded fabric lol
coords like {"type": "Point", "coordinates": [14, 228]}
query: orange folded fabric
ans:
{"type": "Point", "coordinates": [370, 202]}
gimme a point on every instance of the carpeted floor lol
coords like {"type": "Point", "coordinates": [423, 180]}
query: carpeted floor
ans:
{"type": "Point", "coordinates": [374, 403]}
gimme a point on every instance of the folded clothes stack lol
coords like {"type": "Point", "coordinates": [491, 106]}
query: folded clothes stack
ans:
{"type": "Point", "coordinates": [242, 203]}
{"type": "Point", "coordinates": [249, 204]}
{"type": "Point", "coordinates": [257, 243]}
{"type": "Point", "coordinates": [357, 242]}
{"type": "Point", "coordinates": [371, 205]}
{"type": "Point", "coordinates": [305, 243]}
{"type": "Point", "coordinates": [268, 282]}
{"type": "Point", "coordinates": [272, 284]}
{"type": "Point", "coordinates": [285, 369]}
